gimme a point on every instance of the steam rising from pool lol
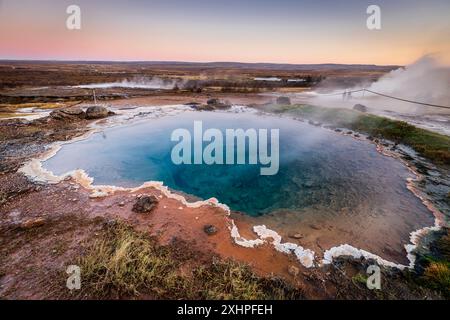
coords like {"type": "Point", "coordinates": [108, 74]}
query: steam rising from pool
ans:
{"type": "Point", "coordinates": [154, 83]}
{"type": "Point", "coordinates": [426, 80]}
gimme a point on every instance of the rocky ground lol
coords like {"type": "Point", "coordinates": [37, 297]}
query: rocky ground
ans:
{"type": "Point", "coordinates": [44, 228]}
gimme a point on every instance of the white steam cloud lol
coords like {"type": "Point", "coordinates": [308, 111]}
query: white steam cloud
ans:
{"type": "Point", "coordinates": [154, 83]}
{"type": "Point", "coordinates": [425, 81]}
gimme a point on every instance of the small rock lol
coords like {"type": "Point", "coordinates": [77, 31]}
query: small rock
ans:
{"type": "Point", "coordinates": [32, 223]}
{"type": "Point", "coordinates": [145, 204]}
{"type": "Point", "coordinates": [110, 223]}
{"type": "Point", "coordinates": [293, 271]}
{"type": "Point", "coordinates": [122, 204]}
{"type": "Point", "coordinates": [212, 104]}
{"type": "Point", "coordinates": [360, 108]}
{"type": "Point", "coordinates": [210, 229]}
{"type": "Point", "coordinates": [297, 236]}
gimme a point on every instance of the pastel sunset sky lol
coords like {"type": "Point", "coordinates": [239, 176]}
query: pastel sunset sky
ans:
{"type": "Point", "coordinates": [283, 31]}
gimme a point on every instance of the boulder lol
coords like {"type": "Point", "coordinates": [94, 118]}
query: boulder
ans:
{"type": "Point", "coordinates": [97, 112]}
{"type": "Point", "coordinates": [283, 101]}
{"type": "Point", "coordinates": [360, 108]}
{"type": "Point", "coordinates": [68, 114]}
{"type": "Point", "coordinates": [74, 112]}
{"type": "Point", "coordinates": [145, 204]}
{"type": "Point", "coordinates": [210, 230]}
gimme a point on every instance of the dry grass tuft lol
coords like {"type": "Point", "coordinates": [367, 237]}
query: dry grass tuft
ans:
{"type": "Point", "coordinates": [124, 263]}
{"type": "Point", "coordinates": [437, 276]}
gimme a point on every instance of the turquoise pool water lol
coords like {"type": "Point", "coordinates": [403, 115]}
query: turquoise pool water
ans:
{"type": "Point", "coordinates": [317, 166]}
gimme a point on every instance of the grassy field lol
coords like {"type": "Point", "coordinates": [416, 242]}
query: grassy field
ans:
{"type": "Point", "coordinates": [431, 145]}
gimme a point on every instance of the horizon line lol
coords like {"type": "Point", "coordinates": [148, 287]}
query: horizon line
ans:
{"type": "Point", "coordinates": [199, 62]}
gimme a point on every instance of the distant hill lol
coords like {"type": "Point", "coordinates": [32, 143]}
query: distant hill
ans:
{"type": "Point", "coordinates": [276, 66]}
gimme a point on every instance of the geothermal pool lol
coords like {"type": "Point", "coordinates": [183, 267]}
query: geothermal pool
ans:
{"type": "Point", "coordinates": [330, 189]}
